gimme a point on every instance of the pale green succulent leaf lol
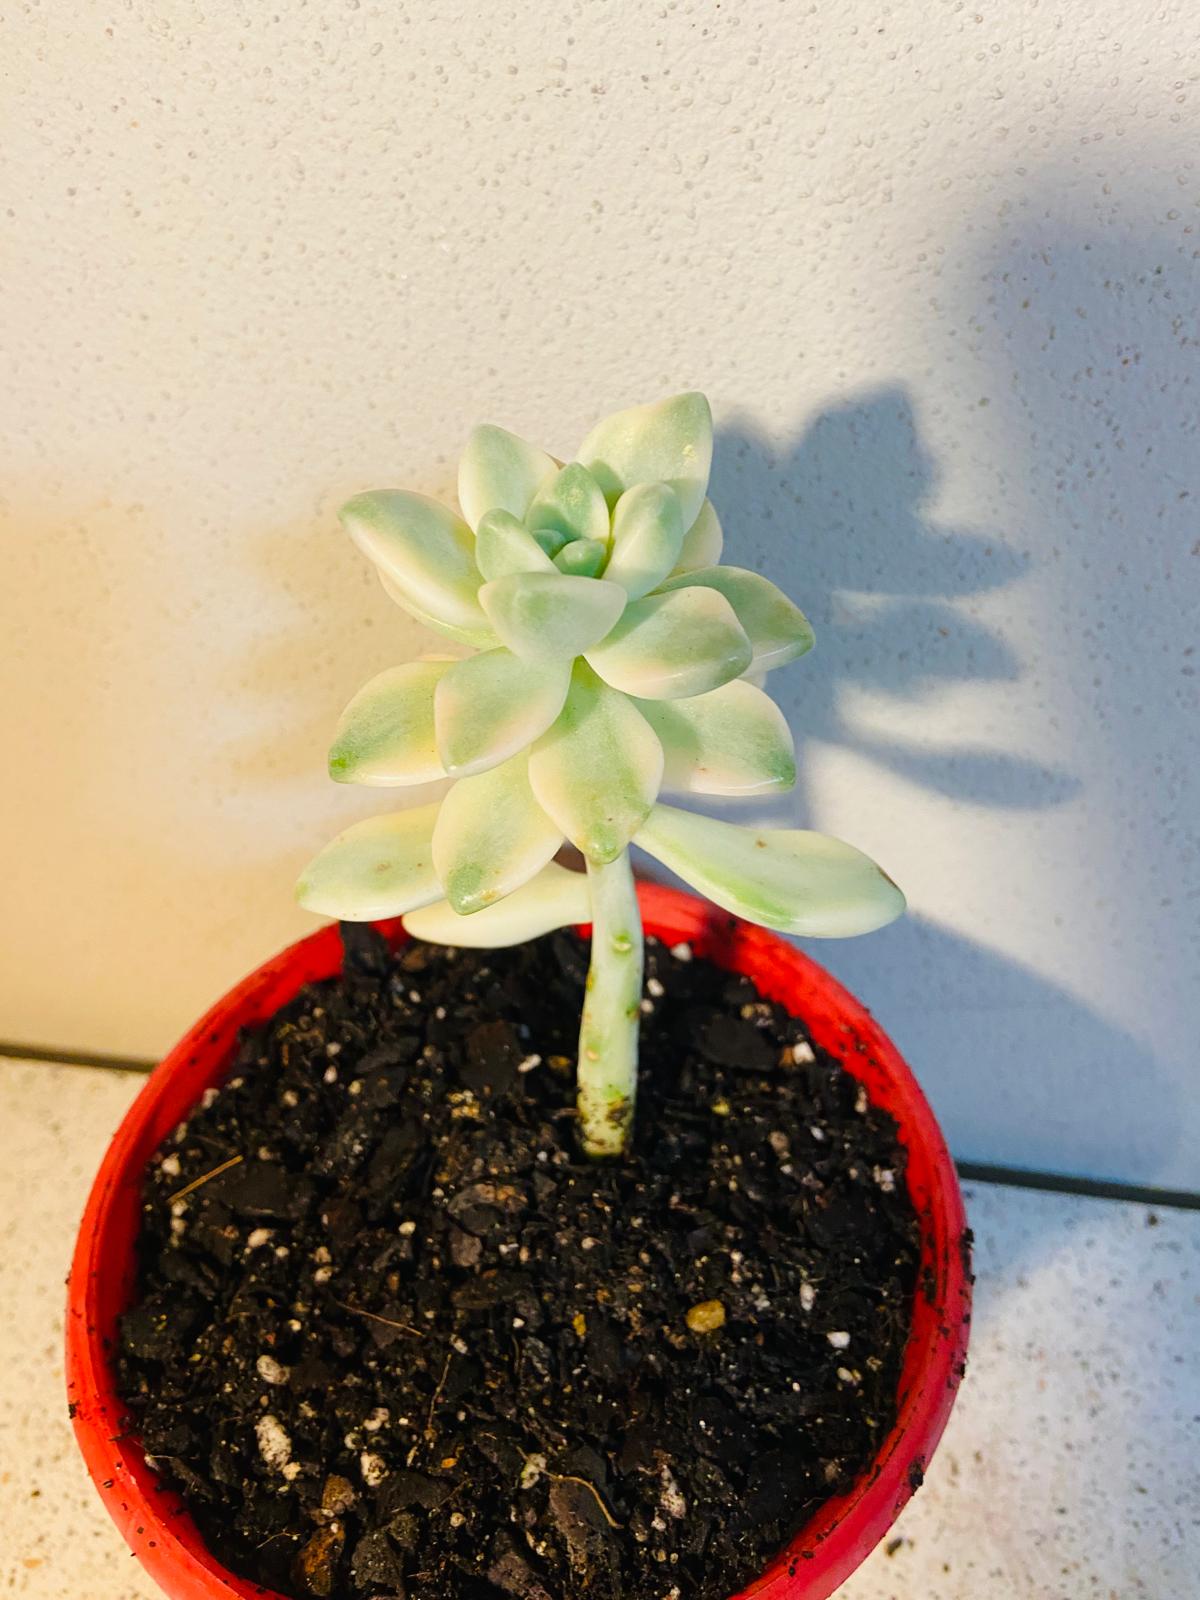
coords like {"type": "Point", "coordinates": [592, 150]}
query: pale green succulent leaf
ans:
{"type": "Point", "coordinates": [647, 534]}
{"type": "Point", "coordinates": [778, 630]}
{"type": "Point", "coordinates": [385, 735]}
{"type": "Point", "coordinates": [497, 470]}
{"type": "Point", "coordinates": [489, 706]}
{"type": "Point", "coordinates": [479, 636]}
{"type": "Point", "coordinates": [597, 771]}
{"type": "Point", "coordinates": [491, 836]}
{"type": "Point", "coordinates": [732, 741]}
{"type": "Point", "coordinates": [555, 898]}
{"type": "Point", "coordinates": [551, 616]}
{"type": "Point", "coordinates": [504, 545]}
{"type": "Point", "coordinates": [382, 867]}
{"type": "Point", "coordinates": [703, 542]}
{"type": "Point", "coordinates": [570, 503]}
{"type": "Point", "coordinates": [552, 540]}
{"type": "Point", "coordinates": [583, 558]}
{"type": "Point", "coordinates": [670, 646]}
{"type": "Point", "coordinates": [669, 441]}
{"type": "Point", "coordinates": [788, 879]}
{"type": "Point", "coordinates": [425, 554]}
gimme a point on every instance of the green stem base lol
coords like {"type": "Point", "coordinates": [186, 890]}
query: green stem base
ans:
{"type": "Point", "coordinates": [608, 1036]}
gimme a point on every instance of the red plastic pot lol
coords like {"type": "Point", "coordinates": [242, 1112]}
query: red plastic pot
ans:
{"type": "Point", "coordinates": [840, 1535]}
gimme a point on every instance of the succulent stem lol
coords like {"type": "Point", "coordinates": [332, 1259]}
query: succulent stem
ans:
{"type": "Point", "coordinates": [608, 1037]}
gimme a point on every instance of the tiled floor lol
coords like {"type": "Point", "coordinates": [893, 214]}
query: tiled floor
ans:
{"type": "Point", "coordinates": [1070, 1469]}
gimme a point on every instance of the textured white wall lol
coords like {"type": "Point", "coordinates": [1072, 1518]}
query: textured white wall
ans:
{"type": "Point", "coordinates": [936, 265]}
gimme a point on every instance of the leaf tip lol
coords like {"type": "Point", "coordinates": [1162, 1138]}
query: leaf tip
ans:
{"type": "Point", "coordinates": [785, 776]}
{"type": "Point", "coordinates": [358, 506]}
{"type": "Point", "coordinates": [467, 891]}
{"type": "Point", "coordinates": [900, 899]}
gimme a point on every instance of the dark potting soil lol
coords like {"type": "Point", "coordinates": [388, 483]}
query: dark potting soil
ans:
{"type": "Point", "coordinates": [395, 1337]}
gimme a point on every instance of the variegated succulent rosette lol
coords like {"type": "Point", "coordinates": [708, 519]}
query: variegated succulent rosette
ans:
{"type": "Point", "coordinates": [614, 659]}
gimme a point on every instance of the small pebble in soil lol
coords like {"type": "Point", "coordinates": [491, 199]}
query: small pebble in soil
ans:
{"type": "Point", "coordinates": [706, 1317]}
{"type": "Point", "coordinates": [402, 1341]}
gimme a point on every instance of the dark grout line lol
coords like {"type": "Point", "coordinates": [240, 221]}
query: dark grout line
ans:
{"type": "Point", "coordinates": [74, 1058]}
{"type": "Point", "coordinates": [968, 1171]}
{"type": "Point", "coordinates": [1064, 1183]}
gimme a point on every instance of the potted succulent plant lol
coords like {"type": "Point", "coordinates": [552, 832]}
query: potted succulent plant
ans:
{"type": "Point", "coordinates": [421, 1307]}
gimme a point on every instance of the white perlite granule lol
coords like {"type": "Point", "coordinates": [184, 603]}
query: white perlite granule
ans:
{"type": "Point", "coordinates": [257, 1238]}
{"type": "Point", "coordinates": [671, 1499]}
{"type": "Point", "coordinates": [808, 1296]}
{"type": "Point", "coordinates": [374, 1468]}
{"type": "Point", "coordinates": [839, 1341]}
{"type": "Point", "coordinates": [270, 1371]}
{"type": "Point", "coordinates": [274, 1446]}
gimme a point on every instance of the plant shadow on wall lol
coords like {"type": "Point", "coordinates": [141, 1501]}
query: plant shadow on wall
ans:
{"type": "Point", "coordinates": [889, 590]}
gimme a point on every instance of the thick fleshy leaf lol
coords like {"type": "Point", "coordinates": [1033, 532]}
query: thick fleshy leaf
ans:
{"type": "Point", "coordinates": [556, 898]}
{"type": "Point", "coordinates": [646, 538]}
{"type": "Point", "coordinates": [703, 542]}
{"type": "Point", "coordinates": [480, 637]}
{"type": "Point", "coordinates": [491, 836]}
{"type": "Point", "coordinates": [733, 740]}
{"type": "Point", "coordinates": [498, 470]}
{"type": "Point", "coordinates": [570, 503]}
{"type": "Point", "coordinates": [788, 879]}
{"type": "Point", "coordinates": [778, 630]}
{"type": "Point", "coordinates": [425, 554]}
{"type": "Point", "coordinates": [489, 706]}
{"type": "Point", "coordinates": [584, 558]}
{"type": "Point", "coordinates": [382, 867]}
{"type": "Point", "coordinates": [598, 770]}
{"type": "Point", "coordinates": [552, 540]}
{"type": "Point", "coordinates": [551, 616]}
{"type": "Point", "coordinates": [503, 545]}
{"type": "Point", "coordinates": [669, 441]}
{"type": "Point", "coordinates": [669, 646]}
{"type": "Point", "coordinates": [385, 735]}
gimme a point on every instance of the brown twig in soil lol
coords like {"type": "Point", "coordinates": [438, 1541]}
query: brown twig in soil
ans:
{"type": "Point", "coordinates": [388, 1322]}
{"type": "Point", "coordinates": [196, 1182]}
{"type": "Point", "coordinates": [271, 1537]}
{"type": "Point", "coordinates": [569, 1477]}
{"type": "Point", "coordinates": [430, 1430]}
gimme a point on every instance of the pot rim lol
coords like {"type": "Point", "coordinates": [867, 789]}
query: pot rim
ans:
{"type": "Point", "coordinates": [839, 1535]}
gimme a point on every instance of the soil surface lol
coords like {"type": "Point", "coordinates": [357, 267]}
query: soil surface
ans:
{"type": "Point", "coordinates": [395, 1337]}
